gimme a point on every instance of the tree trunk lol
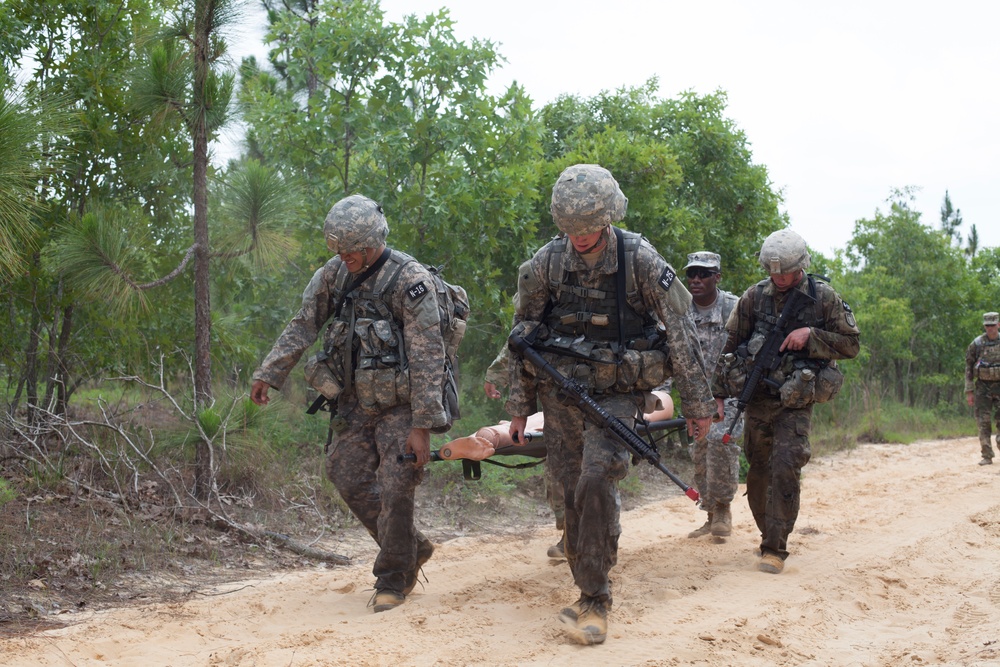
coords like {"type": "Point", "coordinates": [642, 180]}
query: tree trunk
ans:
{"type": "Point", "coordinates": [204, 10]}
{"type": "Point", "coordinates": [52, 368]}
{"type": "Point", "coordinates": [65, 334]}
{"type": "Point", "coordinates": [31, 353]}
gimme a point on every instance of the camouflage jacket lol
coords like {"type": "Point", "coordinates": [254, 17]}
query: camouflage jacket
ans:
{"type": "Point", "coordinates": [417, 316]}
{"type": "Point", "coordinates": [711, 325]}
{"type": "Point", "coordinates": [833, 335]}
{"type": "Point", "coordinates": [661, 294]}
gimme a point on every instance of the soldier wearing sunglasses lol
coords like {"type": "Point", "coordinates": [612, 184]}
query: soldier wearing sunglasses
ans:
{"type": "Point", "coordinates": [716, 464]}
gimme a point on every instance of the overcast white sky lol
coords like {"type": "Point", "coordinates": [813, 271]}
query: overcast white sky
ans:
{"type": "Point", "coordinates": [841, 103]}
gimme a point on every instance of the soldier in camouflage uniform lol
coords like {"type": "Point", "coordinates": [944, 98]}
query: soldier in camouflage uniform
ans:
{"type": "Point", "coordinates": [776, 439]}
{"type": "Point", "coordinates": [716, 463]}
{"type": "Point", "coordinates": [382, 364]}
{"type": "Point", "coordinates": [567, 307]}
{"type": "Point", "coordinates": [982, 382]}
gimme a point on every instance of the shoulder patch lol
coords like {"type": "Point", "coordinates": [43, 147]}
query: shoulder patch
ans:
{"type": "Point", "coordinates": [849, 314]}
{"type": "Point", "coordinates": [667, 278]}
{"type": "Point", "coordinates": [416, 291]}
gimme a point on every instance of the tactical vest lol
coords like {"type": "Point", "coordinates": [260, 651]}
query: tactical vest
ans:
{"type": "Point", "coordinates": [766, 313]}
{"type": "Point", "coordinates": [799, 381]}
{"type": "Point", "coordinates": [363, 346]}
{"type": "Point", "coordinates": [988, 364]}
{"type": "Point", "coordinates": [591, 341]}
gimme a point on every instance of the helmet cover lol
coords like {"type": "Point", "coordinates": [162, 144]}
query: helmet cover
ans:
{"type": "Point", "coordinates": [586, 199]}
{"type": "Point", "coordinates": [783, 251]}
{"type": "Point", "coordinates": [355, 223]}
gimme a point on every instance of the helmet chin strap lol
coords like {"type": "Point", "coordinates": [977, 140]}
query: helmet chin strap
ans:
{"type": "Point", "coordinates": [368, 259]}
{"type": "Point", "coordinates": [601, 240]}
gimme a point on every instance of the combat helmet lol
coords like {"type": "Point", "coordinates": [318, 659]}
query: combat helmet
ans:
{"type": "Point", "coordinates": [355, 223]}
{"type": "Point", "coordinates": [783, 251]}
{"type": "Point", "coordinates": [586, 199]}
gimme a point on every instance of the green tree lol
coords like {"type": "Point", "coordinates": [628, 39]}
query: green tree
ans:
{"type": "Point", "coordinates": [951, 219]}
{"type": "Point", "coordinates": [187, 79]}
{"type": "Point", "coordinates": [400, 113]}
{"type": "Point", "coordinates": [900, 268]}
{"type": "Point", "coordinates": [80, 56]}
{"type": "Point", "coordinates": [687, 169]}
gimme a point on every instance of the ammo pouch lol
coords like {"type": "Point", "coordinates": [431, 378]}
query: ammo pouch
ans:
{"type": "Point", "coordinates": [321, 376]}
{"type": "Point", "coordinates": [799, 388]}
{"type": "Point", "coordinates": [379, 389]}
{"type": "Point", "coordinates": [595, 366]}
{"type": "Point", "coordinates": [989, 372]}
{"type": "Point", "coordinates": [829, 380]}
{"type": "Point", "coordinates": [595, 376]}
{"type": "Point", "coordinates": [324, 371]}
{"type": "Point", "coordinates": [380, 378]}
{"type": "Point", "coordinates": [734, 373]}
{"type": "Point", "coordinates": [805, 386]}
{"type": "Point", "coordinates": [641, 370]}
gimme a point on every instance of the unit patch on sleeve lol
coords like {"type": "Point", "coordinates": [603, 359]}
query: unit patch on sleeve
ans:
{"type": "Point", "coordinates": [417, 291]}
{"type": "Point", "coordinates": [667, 279]}
{"type": "Point", "coordinates": [848, 314]}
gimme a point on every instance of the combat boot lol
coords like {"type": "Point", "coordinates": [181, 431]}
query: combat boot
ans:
{"type": "Point", "coordinates": [986, 462]}
{"type": "Point", "coordinates": [588, 620]}
{"type": "Point", "coordinates": [385, 599]}
{"type": "Point", "coordinates": [722, 521]}
{"type": "Point", "coordinates": [558, 550]}
{"type": "Point", "coordinates": [424, 552]}
{"type": "Point", "coordinates": [771, 563]}
{"type": "Point", "coordinates": [704, 530]}
{"type": "Point", "coordinates": [570, 614]}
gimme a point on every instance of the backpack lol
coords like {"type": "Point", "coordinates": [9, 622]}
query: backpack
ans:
{"type": "Point", "coordinates": [453, 308]}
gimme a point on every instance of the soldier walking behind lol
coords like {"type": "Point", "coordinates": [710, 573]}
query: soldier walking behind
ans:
{"type": "Point", "coordinates": [779, 414]}
{"type": "Point", "coordinates": [716, 463]}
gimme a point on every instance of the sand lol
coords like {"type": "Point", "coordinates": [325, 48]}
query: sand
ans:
{"type": "Point", "coordinates": [895, 561]}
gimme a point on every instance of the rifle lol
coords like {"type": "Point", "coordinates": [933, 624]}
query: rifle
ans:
{"type": "Point", "coordinates": [768, 358]}
{"type": "Point", "coordinates": [598, 415]}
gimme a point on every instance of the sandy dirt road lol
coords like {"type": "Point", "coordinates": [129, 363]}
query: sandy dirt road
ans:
{"type": "Point", "coordinates": [895, 561]}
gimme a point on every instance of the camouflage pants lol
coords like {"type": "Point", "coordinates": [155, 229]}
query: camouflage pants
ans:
{"type": "Point", "coordinates": [589, 465]}
{"type": "Point", "coordinates": [987, 406]}
{"type": "Point", "coordinates": [717, 465]}
{"type": "Point", "coordinates": [776, 444]}
{"type": "Point", "coordinates": [361, 463]}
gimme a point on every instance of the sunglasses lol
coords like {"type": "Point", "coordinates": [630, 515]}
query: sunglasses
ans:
{"type": "Point", "coordinates": [700, 273]}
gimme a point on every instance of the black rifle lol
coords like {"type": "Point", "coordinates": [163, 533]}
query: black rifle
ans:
{"type": "Point", "coordinates": [598, 415]}
{"type": "Point", "coordinates": [768, 358]}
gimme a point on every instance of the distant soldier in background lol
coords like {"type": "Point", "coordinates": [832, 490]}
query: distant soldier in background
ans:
{"type": "Point", "coordinates": [982, 382]}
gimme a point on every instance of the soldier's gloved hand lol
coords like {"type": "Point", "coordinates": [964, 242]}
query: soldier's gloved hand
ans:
{"type": "Point", "coordinates": [418, 443]}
